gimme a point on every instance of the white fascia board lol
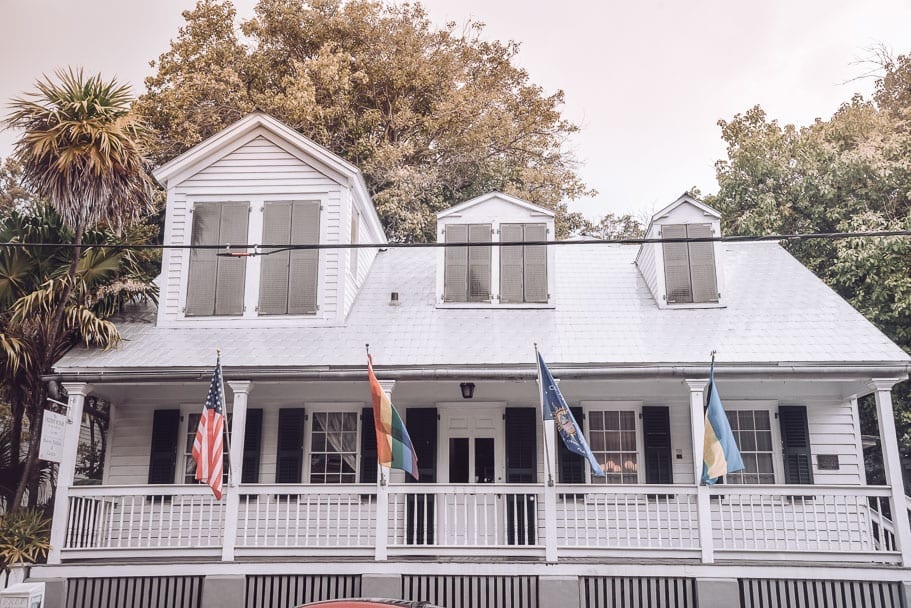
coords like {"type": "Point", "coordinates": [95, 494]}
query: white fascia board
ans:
{"type": "Point", "coordinates": [456, 209]}
{"type": "Point", "coordinates": [686, 199]}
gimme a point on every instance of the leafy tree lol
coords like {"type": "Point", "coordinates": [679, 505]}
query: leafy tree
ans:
{"type": "Point", "coordinates": [431, 116]}
{"type": "Point", "coordinates": [79, 150]}
{"type": "Point", "coordinates": [851, 172]}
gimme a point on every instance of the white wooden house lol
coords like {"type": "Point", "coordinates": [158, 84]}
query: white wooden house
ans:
{"type": "Point", "coordinates": [495, 520]}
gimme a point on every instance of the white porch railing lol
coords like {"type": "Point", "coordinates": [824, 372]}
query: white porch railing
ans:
{"type": "Point", "coordinates": [803, 519]}
{"type": "Point", "coordinates": [736, 522]}
{"type": "Point", "coordinates": [143, 517]}
{"type": "Point", "coordinates": [306, 517]}
{"type": "Point", "coordinates": [597, 518]}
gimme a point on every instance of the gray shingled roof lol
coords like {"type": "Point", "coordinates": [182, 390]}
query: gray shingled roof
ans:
{"type": "Point", "coordinates": [776, 310]}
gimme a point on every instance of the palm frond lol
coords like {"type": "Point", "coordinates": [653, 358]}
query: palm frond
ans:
{"type": "Point", "coordinates": [90, 328]}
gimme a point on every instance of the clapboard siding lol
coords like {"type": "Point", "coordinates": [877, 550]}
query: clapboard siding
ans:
{"type": "Point", "coordinates": [832, 431]}
{"type": "Point", "coordinates": [647, 267]}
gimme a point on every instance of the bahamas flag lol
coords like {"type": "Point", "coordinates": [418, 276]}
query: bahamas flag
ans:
{"type": "Point", "coordinates": [393, 445]}
{"type": "Point", "coordinates": [553, 407]}
{"type": "Point", "coordinates": [720, 455]}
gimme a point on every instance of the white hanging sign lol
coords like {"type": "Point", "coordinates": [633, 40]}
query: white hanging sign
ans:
{"type": "Point", "coordinates": [52, 433]}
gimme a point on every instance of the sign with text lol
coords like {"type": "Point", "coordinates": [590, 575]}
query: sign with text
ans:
{"type": "Point", "coordinates": [52, 432]}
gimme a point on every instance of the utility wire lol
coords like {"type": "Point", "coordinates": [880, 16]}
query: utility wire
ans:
{"type": "Point", "coordinates": [250, 250]}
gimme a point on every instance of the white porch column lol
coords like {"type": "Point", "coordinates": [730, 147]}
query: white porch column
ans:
{"type": "Point", "coordinates": [703, 506]}
{"type": "Point", "coordinates": [550, 492]}
{"type": "Point", "coordinates": [241, 390]}
{"type": "Point", "coordinates": [382, 494]}
{"type": "Point", "coordinates": [892, 462]}
{"type": "Point", "coordinates": [77, 392]}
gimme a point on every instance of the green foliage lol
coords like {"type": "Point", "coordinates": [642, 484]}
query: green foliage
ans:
{"type": "Point", "coordinates": [431, 116]}
{"type": "Point", "coordinates": [24, 537]}
{"type": "Point", "coordinates": [851, 172]}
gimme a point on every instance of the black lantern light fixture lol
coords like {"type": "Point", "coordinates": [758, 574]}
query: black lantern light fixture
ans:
{"type": "Point", "coordinates": [467, 390]}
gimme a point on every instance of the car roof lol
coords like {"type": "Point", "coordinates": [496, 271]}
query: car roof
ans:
{"type": "Point", "coordinates": [370, 603]}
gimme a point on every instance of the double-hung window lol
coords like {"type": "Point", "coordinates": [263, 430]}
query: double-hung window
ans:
{"type": "Point", "coordinates": [216, 283]}
{"type": "Point", "coordinates": [523, 268]}
{"type": "Point", "coordinates": [752, 431]}
{"type": "Point", "coordinates": [334, 447]}
{"type": "Point", "coordinates": [689, 267]}
{"type": "Point", "coordinates": [613, 439]}
{"type": "Point", "coordinates": [189, 469]}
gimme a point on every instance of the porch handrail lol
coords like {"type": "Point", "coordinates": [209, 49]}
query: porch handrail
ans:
{"type": "Point", "coordinates": [801, 490]}
{"type": "Point", "coordinates": [141, 490]}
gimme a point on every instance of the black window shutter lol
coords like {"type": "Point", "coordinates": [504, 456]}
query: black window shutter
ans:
{"type": "Point", "coordinates": [795, 443]}
{"type": "Point", "coordinates": [163, 454]}
{"type": "Point", "coordinates": [422, 428]}
{"type": "Point", "coordinates": [253, 439]}
{"type": "Point", "coordinates": [521, 445]}
{"type": "Point", "coordinates": [368, 446]}
{"type": "Point", "coordinates": [571, 466]}
{"type": "Point", "coordinates": [656, 431]}
{"type": "Point", "coordinates": [288, 464]}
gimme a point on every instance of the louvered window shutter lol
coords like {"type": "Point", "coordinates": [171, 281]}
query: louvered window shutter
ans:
{"type": "Point", "coordinates": [512, 264]}
{"type": "Point", "coordinates": [203, 269]}
{"type": "Point", "coordinates": [478, 263]}
{"type": "Point", "coordinates": [702, 264]}
{"type": "Point", "coordinates": [571, 465]}
{"type": "Point", "coordinates": [795, 441]}
{"type": "Point", "coordinates": [253, 438]}
{"type": "Point", "coordinates": [229, 286]}
{"type": "Point", "coordinates": [656, 431]}
{"type": "Point", "coordinates": [676, 265]}
{"type": "Point", "coordinates": [535, 265]}
{"type": "Point", "coordinates": [289, 459]}
{"type": "Point", "coordinates": [455, 275]}
{"type": "Point", "coordinates": [273, 284]}
{"type": "Point", "coordinates": [421, 423]}
{"type": "Point", "coordinates": [521, 445]}
{"type": "Point", "coordinates": [163, 452]}
{"type": "Point", "coordinates": [368, 446]}
{"type": "Point", "coordinates": [354, 253]}
{"type": "Point", "coordinates": [304, 264]}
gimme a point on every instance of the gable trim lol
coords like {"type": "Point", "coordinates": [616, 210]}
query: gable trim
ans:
{"type": "Point", "coordinates": [459, 208]}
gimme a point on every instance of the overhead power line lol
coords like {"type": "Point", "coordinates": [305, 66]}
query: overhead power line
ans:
{"type": "Point", "coordinates": [255, 249]}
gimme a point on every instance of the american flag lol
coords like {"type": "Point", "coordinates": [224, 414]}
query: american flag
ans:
{"type": "Point", "coordinates": [208, 446]}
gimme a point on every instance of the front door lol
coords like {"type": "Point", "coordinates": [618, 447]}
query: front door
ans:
{"type": "Point", "coordinates": [471, 453]}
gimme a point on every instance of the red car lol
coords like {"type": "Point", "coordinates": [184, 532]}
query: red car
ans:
{"type": "Point", "coordinates": [367, 603]}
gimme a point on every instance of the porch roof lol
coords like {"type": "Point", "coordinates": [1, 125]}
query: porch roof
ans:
{"type": "Point", "coordinates": [776, 311]}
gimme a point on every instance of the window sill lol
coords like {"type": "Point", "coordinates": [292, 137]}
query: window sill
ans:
{"type": "Point", "coordinates": [495, 305]}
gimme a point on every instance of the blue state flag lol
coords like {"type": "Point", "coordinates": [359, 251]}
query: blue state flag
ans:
{"type": "Point", "coordinates": [553, 407]}
{"type": "Point", "coordinates": [720, 454]}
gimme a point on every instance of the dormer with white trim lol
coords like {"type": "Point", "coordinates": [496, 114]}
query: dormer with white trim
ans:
{"type": "Point", "coordinates": [518, 276]}
{"type": "Point", "coordinates": [684, 274]}
{"type": "Point", "coordinates": [259, 182]}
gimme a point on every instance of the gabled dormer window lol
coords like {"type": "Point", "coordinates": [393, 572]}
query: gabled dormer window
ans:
{"type": "Point", "coordinates": [523, 269]}
{"type": "Point", "coordinates": [689, 268]}
{"type": "Point", "coordinates": [288, 278]}
{"type": "Point", "coordinates": [216, 283]}
{"type": "Point", "coordinates": [467, 269]}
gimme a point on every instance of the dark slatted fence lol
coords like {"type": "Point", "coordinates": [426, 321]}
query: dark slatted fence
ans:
{"type": "Point", "coordinates": [636, 592]}
{"type": "Point", "coordinates": [472, 591]}
{"type": "Point", "coordinates": [135, 592]}
{"type": "Point", "coordinates": [286, 591]}
{"type": "Point", "coordinates": [768, 593]}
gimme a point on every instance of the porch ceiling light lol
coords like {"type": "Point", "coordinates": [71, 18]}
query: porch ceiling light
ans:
{"type": "Point", "coordinates": [467, 390]}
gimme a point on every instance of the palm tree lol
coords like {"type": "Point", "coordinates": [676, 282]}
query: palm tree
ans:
{"type": "Point", "coordinates": [79, 150]}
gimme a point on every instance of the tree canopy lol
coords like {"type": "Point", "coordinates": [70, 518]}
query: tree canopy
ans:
{"type": "Point", "coordinates": [851, 172]}
{"type": "Point", "coordinates": [432, 116]}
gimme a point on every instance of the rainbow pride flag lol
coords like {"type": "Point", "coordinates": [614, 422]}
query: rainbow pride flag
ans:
{"type": "Point", "coordinates": [393, 445]}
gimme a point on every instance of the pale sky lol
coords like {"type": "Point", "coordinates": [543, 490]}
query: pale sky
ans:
{"type": "Point", "coordinates": [647, 81]}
